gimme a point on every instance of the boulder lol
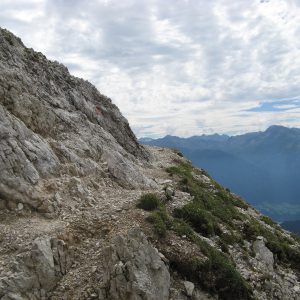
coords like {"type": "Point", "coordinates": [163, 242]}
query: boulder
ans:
{"type": "Point", "coordinates": [36, 272]}
{"type": "Point", "coordinates": [134, 270]}
{"type": "Point", "coordinates": [263, 254]}
{"type": "Point", "coordinates": [189, 288]}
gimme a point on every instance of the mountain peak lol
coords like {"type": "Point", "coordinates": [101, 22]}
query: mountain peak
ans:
{"type": "Point", "coordinates": [274, 128]}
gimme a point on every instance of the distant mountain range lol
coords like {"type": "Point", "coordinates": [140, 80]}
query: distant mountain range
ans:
{"type": "Point", "coordinates": [262, 167]}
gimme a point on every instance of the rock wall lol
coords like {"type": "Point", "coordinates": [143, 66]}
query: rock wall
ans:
{"type": "Point", "coordinates": [51, 124]}
{"type": "Point", "coordinates": [134, 270]}
{"type": "Point", "coordinates": [36, 271]}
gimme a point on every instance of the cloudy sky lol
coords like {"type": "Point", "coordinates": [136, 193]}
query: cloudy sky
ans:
{"type": "Point", "coordinates": [180, 67]}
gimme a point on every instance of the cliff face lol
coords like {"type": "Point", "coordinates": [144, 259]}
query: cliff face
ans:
{"type": "Point", "coordinates": [53, 124]}
{"type": "Point", "coordinates": [71, 174]}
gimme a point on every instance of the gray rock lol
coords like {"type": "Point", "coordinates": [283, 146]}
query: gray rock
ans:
{"type": "Point", "coordinates": [53, 124]}
{"type": "Point", "coordinates": [134, 270]}
{"type": "Point", "coordinates": [189, 288]}
{"type": "Point", "coordinates": [20, 206]}
{"type": "Point", "coordinates": [263, 254]}
{"type": "Point", "coordinates": [36, 272]}
{"type": "Point", "coordinates": [169, 191]}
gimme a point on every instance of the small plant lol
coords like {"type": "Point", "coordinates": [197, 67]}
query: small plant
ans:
{"type": "Point", "coordinates": [8, 37]}
{"type": "Point", "coordinates": [268, 221]}
{"type": "Point", "coordinates": [178, 152]}
{"type": "Point", "coordinates": [149, 202]}
{"type": "Point", "coordinates": [215, 274]}
{"type": "Point", "coordinates": [160, 221]}
{"type": "Point", "coordinates": [182, 228]}
{"type": "Point", "coordinates": [201, 220]}
{"type": "Point", "coordinates": [251, 231]}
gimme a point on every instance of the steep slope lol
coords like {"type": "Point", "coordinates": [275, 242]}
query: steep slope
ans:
{"type": "Point", "coordinates": [268, 161]}
{"type": "Point", "coordinates": [88, 213]}
{"type": "Point", "coordinates": [54, 124]}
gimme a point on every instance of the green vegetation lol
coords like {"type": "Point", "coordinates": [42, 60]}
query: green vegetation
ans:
{"type": "Point", "coordinates": [182, 228]}
{"type": "Point", "coordinates": [202, 220]}
{"type": "Point", "coordinates": [8, 36]}
{"type": "Point", "coordinates": [149, 202]}
{"type": "Point", "coordinates": [268, 221]}
{"type": "Point", "coordinates": [212, 210]}
{"type": "Point", "coordinates": [208, 209]}
{"type": "Point", "coordinates": [216, 273]}
{"type": "Point", "coordinates": [161, 221]}
{"type": "Point", "coordinates": [281, 247]}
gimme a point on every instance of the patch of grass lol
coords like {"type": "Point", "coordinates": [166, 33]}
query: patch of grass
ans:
{"type": "Point", "coordinates": [268, 221]}
{"type": "Point", "coordinates": [183, 169]}
{"type": "Point", "coordinates": [231, 239]}
{"type": "Point", "coordinates": [201, 220]}
{"type": "Point", "coordinates": [281, 247]}
{"type": "Point", "coordinates": [161, 221]}
{"type": "Point", "coordinates": [182, 228]}
{"type": "Point", "coordinates": [149, 202]}
{"type": "Point", "coordinates": [216, 274]}
{"type": "Point", "coordinates": [208, 209]}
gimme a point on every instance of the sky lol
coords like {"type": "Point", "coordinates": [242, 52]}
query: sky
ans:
{"type": "Point", "coordinates": [179, 67]}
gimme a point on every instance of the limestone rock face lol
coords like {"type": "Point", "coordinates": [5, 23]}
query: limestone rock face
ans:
{"type": "Point", "coordinates": [189, 288]}
{"type": "Point", "coordinates": [52, 124]}
{"type": "Point", "coordinates": [263, 254]}
{"type": "Point", "coordinates": [134, 270]}
{"type": "Point", "coordinates": [36, 272]}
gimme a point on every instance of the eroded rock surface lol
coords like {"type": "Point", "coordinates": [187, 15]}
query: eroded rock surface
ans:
{"type": "Point", "coordinates": [134, 270]}
{"type": "Point", "coordinates": [263, 254]}
{"type": "Point", "coordinates": [51, 124]}
{"type": "Point", "coordinates": [36, 272]}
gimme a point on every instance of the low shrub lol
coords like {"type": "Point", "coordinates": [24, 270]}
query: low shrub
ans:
{"type": "Point", "coordinates": [161, 221]}
{"type": "Point", "coordinates": [149, 202]}
{"type": "Point", "coordinates": [201, 220]}
{"type": "Point", "coordinates": [268, 221]}
{"type": "Point", "coordinates": [215, 274]}
{"type": "Point", "coordinates": [182, 228]}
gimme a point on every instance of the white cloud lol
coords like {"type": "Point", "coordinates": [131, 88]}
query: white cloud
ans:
{"type": "Point", "coordinates": [174, 67]}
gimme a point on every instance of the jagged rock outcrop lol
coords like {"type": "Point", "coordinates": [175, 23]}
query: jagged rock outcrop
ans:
{"type": "Point", "coordinates": [51, 124]}
{"type": "Point", "coordinates": [134, 270]}
{"type": "Point", "coordinates": [263, 254]}
{"type": "Point", "coordinates": [36, 272]}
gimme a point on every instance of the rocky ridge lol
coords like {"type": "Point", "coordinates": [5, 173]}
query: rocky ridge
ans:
{"type": "Point", "coordinates": [71, 175]}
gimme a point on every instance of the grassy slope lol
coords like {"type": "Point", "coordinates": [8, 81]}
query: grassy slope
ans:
{"type": "Point", "coordinates": [219, 215]}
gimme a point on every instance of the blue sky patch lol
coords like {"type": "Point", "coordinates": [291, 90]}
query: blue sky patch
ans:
{"type": "Point", "coordinates": [282, 105]}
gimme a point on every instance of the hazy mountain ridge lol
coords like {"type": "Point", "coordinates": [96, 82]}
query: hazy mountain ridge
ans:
{"type": "Point", "coordinates": [87, 213]}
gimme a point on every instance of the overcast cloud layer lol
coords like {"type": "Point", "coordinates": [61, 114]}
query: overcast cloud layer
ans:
{"type": "Point", "coordinates": [180, 67]}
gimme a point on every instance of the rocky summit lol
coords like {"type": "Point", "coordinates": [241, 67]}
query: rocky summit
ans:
{"type": "Point", "coordinates": [86, 212]}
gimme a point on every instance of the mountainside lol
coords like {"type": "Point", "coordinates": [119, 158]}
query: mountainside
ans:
{"type": "Point", "coordinates": [86, 212]}
{"type": "Point", "coordinates": [263, 167]}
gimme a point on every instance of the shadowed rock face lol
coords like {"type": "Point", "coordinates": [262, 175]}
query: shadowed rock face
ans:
{"type": "Point", "coordinates": [52, 124]}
